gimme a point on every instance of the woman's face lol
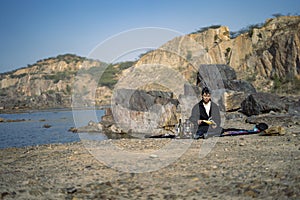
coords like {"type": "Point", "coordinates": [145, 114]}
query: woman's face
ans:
{"type": "Point", "coordinates": [206, 97]}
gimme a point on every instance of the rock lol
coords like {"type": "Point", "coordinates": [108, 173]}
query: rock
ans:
{"type": "Point", "coordinates": [141, 100]}
{"type": "Point", "coordinates": [239, 86]}
{"type": "Point", "coordinates": [115, 129]}
{"type": "Point", "coordinates": [214, 167]}
{"type": "Point", "coordinates": [272, 131]}
{"type": "Point", "coordinates": [232, 100]}
{"type": "Point", "coordinates": [92, 123]}
{"type": "Point", "coordinates": [226, 72]}
{"type": "Point", "coordinates": [2, 120]}
{"type": "Point", "coordinates": [141, 112]}
{"type": "Point", "coordinates": [91, 127]}
{"type": "Point", "coordinates": [15, 120]}
{"type": "Point", "coordinates": [259, 103]}
{"type": "Point", "coordinates": [71, 190]}
{"type": "Point", "coordinates": [46, 126]}
{"type": "Point", "coordinates": [294, 108]}
{"type": "Point", "coordinates": [234, 116]}
{"type": "Point", "coordinates": [107, 119]}
{"type": "Point", "coordinates": [190, 90]}
{"type": "Point", "coordinates": [73, 129]}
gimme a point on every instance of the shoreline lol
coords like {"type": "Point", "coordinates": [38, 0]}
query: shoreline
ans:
{"type": "Point", "coordinates": [237, 167]}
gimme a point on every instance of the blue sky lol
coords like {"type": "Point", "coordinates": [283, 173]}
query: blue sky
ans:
{"type": "Point", "coordinates": [31, 30]}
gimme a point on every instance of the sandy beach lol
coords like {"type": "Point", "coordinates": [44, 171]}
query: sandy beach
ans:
{"type": "Point", "coordinates": [239, 167]}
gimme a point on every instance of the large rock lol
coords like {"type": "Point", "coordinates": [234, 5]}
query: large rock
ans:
{"type": "Point", "coordinates": [259, 103]}
{"type": "Point", "coordinates": [140, 112]}
{"type": "Point", "coordinates": [240, 86]}
{"type": "Point", "coordinates": [233, 91]}
{"type": "Point", "coordinates": [141, 100]}
{"type": "Point", "coordinates": [226, 72]}
{"type": "Point", "coordinates": [294, 108]}
{"type": "Point", "coordinates": [222, 77]}
{"type": "Point", "coordinates": [233, 100]}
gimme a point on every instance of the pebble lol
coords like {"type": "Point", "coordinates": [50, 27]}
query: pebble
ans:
{"type": "Point", "coordinates": [71, 190]}
{"type": "Point", "coordinates": [153, 156]}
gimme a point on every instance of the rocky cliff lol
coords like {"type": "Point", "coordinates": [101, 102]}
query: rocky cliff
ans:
{"type": "Point", "coordinates": [46, 84]}
{"type": "Point", "coordinates": [51, 82]}
{"type": "Point", "coordinates": [266, 55]}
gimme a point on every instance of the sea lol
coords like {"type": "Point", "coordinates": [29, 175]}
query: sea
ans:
{"type": "Point", "coordinates": [47, 127]}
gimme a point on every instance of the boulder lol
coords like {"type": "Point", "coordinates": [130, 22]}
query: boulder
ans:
{"type": "Point", "coordinates": [294, 108]}
{"type": "Point", "coordinates": [91, 127]}
{"type": "Point", "coordinates": [219, 76]}
{"type": "Point", "coordinates": [46, 126]}
{"type": "Point", "coordinates": [259, 103]}
{"type": "Point", "coordinates": [273, 131]}
{"type": "Point", "coordinates": [239, 85]}
{"type": "Point", "coordinates": [191, 90]}
{"type": "Point", "coordinates": [232, 100]}
{"type": "Point", "coordinates": [214, 76]}
{"type": "Point", "coordinates": [140, 112]}
{"type": "Point", "coordinates": [141, 100]}
{"type": "Point", "coordinates": [226, 72]}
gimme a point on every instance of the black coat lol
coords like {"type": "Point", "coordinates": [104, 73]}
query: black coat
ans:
{"type": "Point", "coordinates": [199, 112]}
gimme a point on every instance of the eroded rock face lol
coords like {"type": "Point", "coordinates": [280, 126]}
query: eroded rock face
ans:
{"type": "Point", "coordinates": [46, 84]}
{"type": "Point", "coordinates": [258, 55]}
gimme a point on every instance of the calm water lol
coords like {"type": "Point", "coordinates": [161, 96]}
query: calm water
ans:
{"type": "Point", "coordinates": [31, 131]}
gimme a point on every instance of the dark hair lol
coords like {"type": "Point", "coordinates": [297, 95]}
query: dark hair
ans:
{"type": "Point", "coordinates": [205, 90]}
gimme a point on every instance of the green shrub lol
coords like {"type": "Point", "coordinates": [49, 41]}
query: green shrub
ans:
{"type": "Point", "coordinates": [277, 82]}
{"type": "Point", "coordinates": [206, 28]}
{"type": "Point", "coordinates": [109, 77]}
{"type": "Point", "coordinates": [125, 65]}
{"type": "Point", "coordinates": [248, 29]}
{"type": "Point", "coordinates": [227, 52]}
{"type": "Point", "coordinates": [18, 76]}
{"type": "Point", "coordinates": [50, 91]}
{"type": "Point", "coordinates": [59, 76]}
{"type": "Point", "coordinates": [189, 55]}
{"type": "Point", "coordinates": [68, 89]}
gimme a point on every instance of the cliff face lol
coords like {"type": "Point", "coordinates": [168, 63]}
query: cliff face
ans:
{"type": "Point", "coordinates": [266, 55]}
{"type": "Point", "coordinates": [45, 84]}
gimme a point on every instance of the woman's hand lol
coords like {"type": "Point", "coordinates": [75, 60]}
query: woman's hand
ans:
{"type": "Point", "coordinates": [199, 121]}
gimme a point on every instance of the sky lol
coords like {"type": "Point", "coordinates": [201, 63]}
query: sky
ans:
{"type": "Point", "coordinates": [31, 30]}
